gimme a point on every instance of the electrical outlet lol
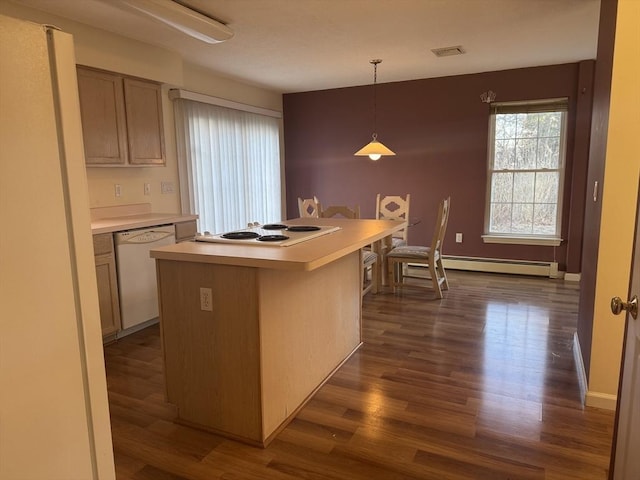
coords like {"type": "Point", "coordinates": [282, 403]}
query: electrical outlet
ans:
{"type": "Point", "coordinates": [458, 238]}
{"type": "Point", "coordinates": [117, 190]}
{"type": "Point", "coordinates": [166, 187]}
{"type": "Point", "coordinates": [206, 299]}
{"type": "Point", "coordinates": [147, 189]}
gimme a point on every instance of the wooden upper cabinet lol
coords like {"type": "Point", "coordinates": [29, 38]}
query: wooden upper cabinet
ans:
{"type": "Point", "coordinates": [143, 105]}
{"type": "Point", "coordinates": [104, 124]}
{"type": "Point", "coordinates": [121, 119]}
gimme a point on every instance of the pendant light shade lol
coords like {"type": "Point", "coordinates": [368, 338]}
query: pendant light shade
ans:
{"type": "Point", "coordinates": [374, 149]}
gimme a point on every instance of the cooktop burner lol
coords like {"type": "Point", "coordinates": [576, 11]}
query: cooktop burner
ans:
{"type": "Point", "coordinates": [272, 238]}
{"type": "Point", "coordinates": [274, 226]}
{"type": "Point", "coordinates": [240, 235]}
{"type": "Point", "coordinates": [274, 234]}
{"type": "Point", "coordinates": [303, 228]}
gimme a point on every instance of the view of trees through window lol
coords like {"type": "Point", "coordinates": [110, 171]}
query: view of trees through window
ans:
{"type": "Point", "coordinates": [525, 173]}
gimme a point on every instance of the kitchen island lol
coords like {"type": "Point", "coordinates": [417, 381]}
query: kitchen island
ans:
{"type": "Point", "coordinates": [242, 361]}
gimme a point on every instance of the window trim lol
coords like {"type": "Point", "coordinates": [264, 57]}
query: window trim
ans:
{"type": "Point", "coordinates": [178, 93]}
{"type": "Point", "coordinates": [522, 240]}
{"type": "Point", "coordinates": [534, 106]}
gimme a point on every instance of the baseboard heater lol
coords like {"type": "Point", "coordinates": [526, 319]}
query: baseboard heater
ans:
{"type": "Point", "coordinates": [499, 265]}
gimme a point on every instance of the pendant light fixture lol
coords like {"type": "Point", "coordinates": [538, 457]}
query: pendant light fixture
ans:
{"type": "Point", "coordinates": [374, 149]}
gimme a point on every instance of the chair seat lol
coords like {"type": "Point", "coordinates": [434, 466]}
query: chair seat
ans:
{"type": "Point", "coordinates": [368, 257]}
{"type": "Point", "coordinates": [412, 251]}
{"type": "Point", "coordinates": [398, 242]}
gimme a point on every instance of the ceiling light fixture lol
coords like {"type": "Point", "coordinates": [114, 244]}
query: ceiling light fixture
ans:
{"type": "Point", "coordinates": [374, 149]}
{"type": "Point", "coordinates": [183, 19]}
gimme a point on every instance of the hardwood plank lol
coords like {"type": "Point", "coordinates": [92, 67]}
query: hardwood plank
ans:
{"type": "Point", "coordinates": [479, 385]}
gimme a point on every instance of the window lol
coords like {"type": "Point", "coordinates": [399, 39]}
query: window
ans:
{"type": "Point", "coordinates": [526, 172]}
{"type": "Point", "coordinates": [229, 164]}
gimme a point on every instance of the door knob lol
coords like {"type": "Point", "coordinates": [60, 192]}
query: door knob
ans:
{"type": "Point", "coordinates": [617, 306]}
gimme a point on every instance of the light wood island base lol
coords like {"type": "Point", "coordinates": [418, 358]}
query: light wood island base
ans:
{"type": "Point", "coordinates": [282, 320]}
{"type": "Point", "coordinates": [272, 338]}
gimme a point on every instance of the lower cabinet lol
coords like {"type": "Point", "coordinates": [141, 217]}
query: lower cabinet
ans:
{"type": "Point", "coordinates": [107, 277]}
{"type": "Point", "coordinates": [107, 285]}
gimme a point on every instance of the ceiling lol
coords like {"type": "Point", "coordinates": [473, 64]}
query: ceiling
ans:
{"type": "Point", "coordinates": [302, 45]}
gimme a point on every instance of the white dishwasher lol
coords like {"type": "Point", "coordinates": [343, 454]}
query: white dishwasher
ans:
{"type": "Point", "coordinates": [138, 290]}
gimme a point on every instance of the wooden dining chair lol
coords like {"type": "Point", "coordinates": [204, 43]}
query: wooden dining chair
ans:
{"type": "Point", "coordinates": [309, 207]}
{"type": "Point", "coordinates": [368, 257]}
{"type": "Point", "coordinates": [340, 211]}
{"type": "Point", "coordinates": [394, 207]}
{"type": "Point", "coordinates": [431, 256]}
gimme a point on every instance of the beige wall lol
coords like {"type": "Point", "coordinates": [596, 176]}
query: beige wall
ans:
{"type": "Point", "coordinates": [101, 49]}
{"type": "Point", "coordinates": [619, 205]}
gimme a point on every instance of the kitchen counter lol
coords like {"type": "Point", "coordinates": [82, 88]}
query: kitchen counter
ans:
{"type": "Point", "coordinates": [118, 224]}
{"type": "Point", "coordinates": [127, 217]}
{"type": "Point", "coordinates": [307, 255]}
{"type": "Point", "coordinates": [250, 333]}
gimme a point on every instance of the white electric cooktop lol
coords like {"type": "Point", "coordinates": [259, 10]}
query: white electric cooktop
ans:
{"type": "Point", "coordinates": [274, 234]}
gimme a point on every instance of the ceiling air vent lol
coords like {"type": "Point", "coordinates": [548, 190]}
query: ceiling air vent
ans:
{"type": "Point", "coordinates": [448, 51]}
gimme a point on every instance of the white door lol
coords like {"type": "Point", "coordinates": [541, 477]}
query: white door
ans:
{"type": "Point", "coordinates": [626, 442]}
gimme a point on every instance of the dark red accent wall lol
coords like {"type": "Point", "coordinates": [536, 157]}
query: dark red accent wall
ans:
{"type": "Point", "coordinates": [439, 131]}
{"type": "Point", "coordinates": [597, 154]}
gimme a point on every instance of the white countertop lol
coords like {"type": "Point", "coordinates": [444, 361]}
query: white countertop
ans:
{"type": "Point", "coordinates": [126, 217]}
{"type": "Point", "coordinates": [128, 222]}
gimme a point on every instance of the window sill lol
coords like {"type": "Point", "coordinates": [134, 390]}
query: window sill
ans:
{"type": "Point", "coordinates": [514, 240]}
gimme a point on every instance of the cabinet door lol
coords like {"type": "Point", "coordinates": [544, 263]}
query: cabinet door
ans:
{"type": "Point", "coordinates": [107, 283]}
{"type": "Point", "coordinates": [103, 117]}
{"type": "Point", "coordinates": [108, 294]}
{"type": "Point", "coordinates": [143, 101]}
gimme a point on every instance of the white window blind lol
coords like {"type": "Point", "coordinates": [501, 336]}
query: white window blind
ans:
{"type": "Point", "coordinates": [229, 165]}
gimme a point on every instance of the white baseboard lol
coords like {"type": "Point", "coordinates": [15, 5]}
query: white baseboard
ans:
{"type": "Point", "coordinates": [580, 371]}
{"type": "Point", "coordinates": [499, 265]}
{"type": "Point", "coordinates": [605, 401]}
{"type": "Point", "coordinates": [572, 277]}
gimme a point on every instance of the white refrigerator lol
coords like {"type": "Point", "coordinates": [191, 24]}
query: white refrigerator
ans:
{"type": "Point", "coordinates": [54, 414]}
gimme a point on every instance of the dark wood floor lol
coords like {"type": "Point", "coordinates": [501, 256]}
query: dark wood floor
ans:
{"type": "Point", "coordinates": [479, 385]}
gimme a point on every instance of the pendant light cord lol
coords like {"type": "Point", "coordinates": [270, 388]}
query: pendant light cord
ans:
{"type": "Point", "coordinates": [375, 149]}
{"type": "Point", "coordinates": [375, 97]}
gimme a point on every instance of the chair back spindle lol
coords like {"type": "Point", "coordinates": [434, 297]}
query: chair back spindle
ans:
{"type": "Point", "coordinates": [340, 211]}
{"type": "Point", "coordinates": [394, 207]}
{"type": "Point", "coordinates": [309, 207]}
